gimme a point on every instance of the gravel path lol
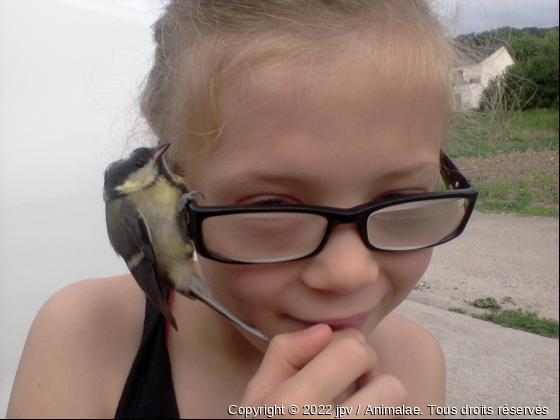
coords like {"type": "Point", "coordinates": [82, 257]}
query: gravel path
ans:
{"type": "Point", "coordinates": [499, 256]}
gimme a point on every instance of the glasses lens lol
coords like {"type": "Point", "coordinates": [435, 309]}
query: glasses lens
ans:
{"type": "Point", "coordinates": [263, 237]}
{"type": "Point", "coordinates": [415, 225]}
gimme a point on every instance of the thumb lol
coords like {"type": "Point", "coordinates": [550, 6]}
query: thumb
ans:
{"type": "Point", "coordinates": [285, 356]}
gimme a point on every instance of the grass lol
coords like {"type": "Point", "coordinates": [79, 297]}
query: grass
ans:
{"type": "Point", "coordinates": [518, 319]}
{"type": "Point", "coordinates": [521, 320]}
{"type": "Point", "coordinates": [527, 192]}
{"type": "Point", "coordinates": [482, 134]}
{"type": "Point", "coordinates": [508, 299]}
{"type": "Point", "coordinates": [487, 303]}
{"type": "Point", "coordinates": [481, 147]}
{"type": "Point", "coordinates": [509, 207]}
{"type": "Point", "coordinates": [537, 121]}
{"type": "Point", "coordinates": [526, 197]}
{"type": "Point", "coordinates": [458, 310]}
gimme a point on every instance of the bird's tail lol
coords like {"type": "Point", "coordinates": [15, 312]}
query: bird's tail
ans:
{"type": "Point", "coordinates": [199, 290]}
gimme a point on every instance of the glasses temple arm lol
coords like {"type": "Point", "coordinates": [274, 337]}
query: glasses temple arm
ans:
{"type": "Point", "coordinates": [452, 176]}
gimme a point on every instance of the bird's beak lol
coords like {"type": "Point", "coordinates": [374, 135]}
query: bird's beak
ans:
{"type": "Point", "coordinates": [158, 151]}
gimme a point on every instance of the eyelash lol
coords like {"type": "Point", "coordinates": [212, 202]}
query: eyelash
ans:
{"type": "Point", "coordinates": [392, 195]}
{"type": "Point", "coordinates": [269, 202]}
{"type": "Point", "coordinates": [275, 200]}
{"type": "Point", "coordinates": [400, 194]}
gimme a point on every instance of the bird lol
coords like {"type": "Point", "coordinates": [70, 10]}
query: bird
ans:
{"type": "Point", "coordinates": [141, 195]}
{"type": "Point", "coordinates": [146, 224]}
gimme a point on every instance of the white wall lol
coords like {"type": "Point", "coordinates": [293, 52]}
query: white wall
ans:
{"type": "Point", "coordinates": [69, 72]}
{"type": "Point", "coordinates": [495, 65]}
{"type": "Point", "coordinates": [478, 76]}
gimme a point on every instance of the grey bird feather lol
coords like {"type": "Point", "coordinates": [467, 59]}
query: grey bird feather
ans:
{"type": "Point", "coordinates": [142, 198]}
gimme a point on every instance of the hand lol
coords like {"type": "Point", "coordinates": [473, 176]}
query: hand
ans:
{"type": "Point", "coordinates": [315, 367]}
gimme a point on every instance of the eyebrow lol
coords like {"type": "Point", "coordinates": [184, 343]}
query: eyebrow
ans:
{"type": "Point", "coordinates": [426, 168]}
{"type": "Point", "coordinates": [253, 178]}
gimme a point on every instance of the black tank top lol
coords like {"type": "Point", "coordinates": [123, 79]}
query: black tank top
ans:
{"type": "Point", "coordinates": [148, 392]}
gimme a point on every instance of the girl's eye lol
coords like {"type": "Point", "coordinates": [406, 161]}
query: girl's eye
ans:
{"type": "Point", "coordinates": [401, 193]}
{"type": "Point", "coordinates": [268, 201]}
{"type": "Point", "coordinates": [392, 195]}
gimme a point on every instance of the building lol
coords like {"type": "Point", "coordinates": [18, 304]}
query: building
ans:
{"type": "Point", "coordinates": [488, 63]}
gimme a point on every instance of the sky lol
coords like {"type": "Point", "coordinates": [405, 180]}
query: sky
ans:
{"type": "Point", "coordinates": [474, 15]}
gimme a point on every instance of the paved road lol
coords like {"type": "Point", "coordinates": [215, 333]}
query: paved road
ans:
{"type": "Point", "coordinates": [489, 365]}
{"type": "Point", "coordinates": [499, 255]}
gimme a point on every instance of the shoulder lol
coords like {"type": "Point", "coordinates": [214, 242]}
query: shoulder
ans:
{"type": "Point", "coordinates": [397, 331]}
{"type": "Point", "coordinates": [79, 350]}
{"type": "Point", "coordinates": [410, 352]}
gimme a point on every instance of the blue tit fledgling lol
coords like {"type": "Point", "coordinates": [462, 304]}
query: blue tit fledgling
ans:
{"type": "Point", "coordinates": [145, 228]}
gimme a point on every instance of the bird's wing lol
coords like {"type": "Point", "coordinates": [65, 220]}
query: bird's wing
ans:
{"type": "Point", "coordinates": [140, 257]}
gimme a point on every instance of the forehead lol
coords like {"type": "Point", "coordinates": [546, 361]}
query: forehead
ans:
{"type": "Point", "coordinates": [406, 66]}
{"type": "Point", "coordinates": [360, 75]}
{"type": "Point", "coordinates": [348, 106]}
{"type": "Point", "coordinates": [354, 87]}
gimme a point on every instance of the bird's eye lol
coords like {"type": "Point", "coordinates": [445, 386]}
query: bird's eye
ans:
{"type": "Point", "coordinates": [139, 163]}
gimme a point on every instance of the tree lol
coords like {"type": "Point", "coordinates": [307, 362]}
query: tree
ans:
{"type": "Point", "coordinates": [533, 82]}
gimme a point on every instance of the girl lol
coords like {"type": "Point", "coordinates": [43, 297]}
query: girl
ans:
{"type": "Point", "coordinates": [321, 123]}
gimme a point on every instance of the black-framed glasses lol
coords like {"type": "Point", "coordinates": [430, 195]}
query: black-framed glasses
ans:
{"type": "Point", "coordinates": [286, 232]}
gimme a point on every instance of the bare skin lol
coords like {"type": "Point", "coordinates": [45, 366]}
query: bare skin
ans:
{"type": "Point", "coordinates": [335, 135]}
{"type": "Point", "coordinates": [83, 342]}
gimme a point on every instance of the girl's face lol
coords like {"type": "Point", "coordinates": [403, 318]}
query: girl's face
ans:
{"type": "Point", "coordinates": [330, 135]}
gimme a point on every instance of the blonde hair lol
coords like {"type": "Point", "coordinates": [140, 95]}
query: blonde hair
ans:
{"type": "Point", "coordinates": [201, 42]}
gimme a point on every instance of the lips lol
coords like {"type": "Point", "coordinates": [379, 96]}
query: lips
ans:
{"type": "Point", "coordinates": [357, 322]}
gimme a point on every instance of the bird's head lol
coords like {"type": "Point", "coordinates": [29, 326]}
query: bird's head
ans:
{"type": "Point", "coordinates": [137, 172]}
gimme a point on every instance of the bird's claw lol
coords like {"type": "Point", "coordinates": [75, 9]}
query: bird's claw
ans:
{"type": "Point", "coordinates": [185, 200]}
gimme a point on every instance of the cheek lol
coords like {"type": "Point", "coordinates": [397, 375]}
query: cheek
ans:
{"type": "Point", "coordinates": [404, 270]}
{"type": "Point", "coordinates": [245, 288]}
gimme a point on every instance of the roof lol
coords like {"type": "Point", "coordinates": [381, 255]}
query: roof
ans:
{"type": "Point", "coordinates": [477, 54]}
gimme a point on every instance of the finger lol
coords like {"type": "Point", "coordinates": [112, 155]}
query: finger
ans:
{"type": "Point", "coordinates": [347, 358]}
{"type": "Point", "coordinates": [380, 390]}
{"type": "Point", "coordinates": [285, 356]}
{"type": "Point", "coordinates": [348, 332]}
{"type": "Point", "coordinates": [354, 333]}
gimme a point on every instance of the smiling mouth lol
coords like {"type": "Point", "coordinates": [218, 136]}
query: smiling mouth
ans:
{"type": "Point", "coordinates": [356, 322]}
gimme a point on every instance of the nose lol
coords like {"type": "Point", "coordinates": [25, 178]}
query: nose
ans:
{"type": "Point", "coordinates": [344, 265]}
